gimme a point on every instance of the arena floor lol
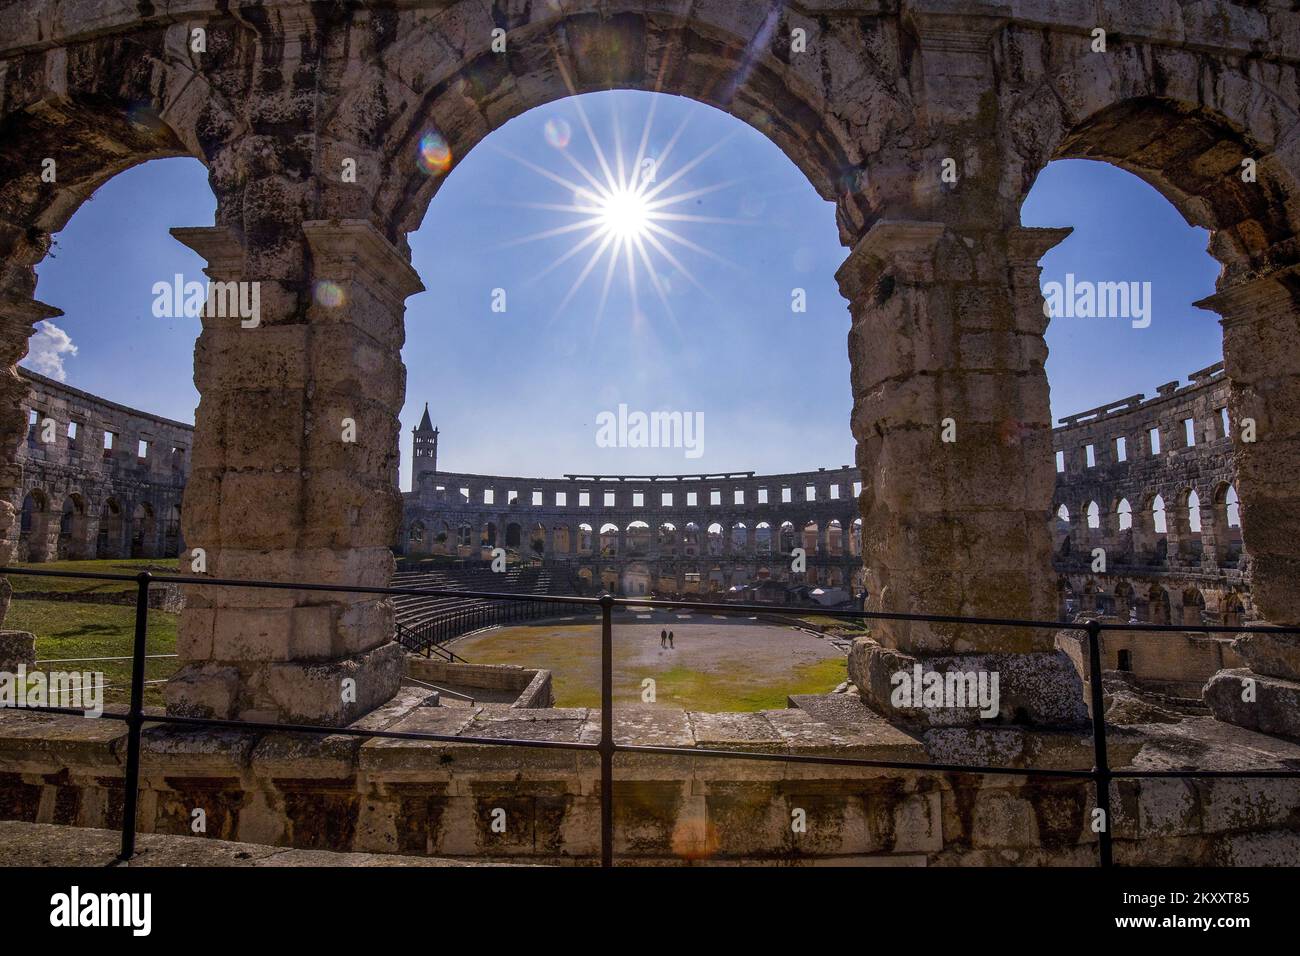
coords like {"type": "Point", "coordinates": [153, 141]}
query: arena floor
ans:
{"type": "Point", "coordinates": [717, 663]}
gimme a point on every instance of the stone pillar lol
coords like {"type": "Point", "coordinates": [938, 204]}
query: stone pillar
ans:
{"type": "Point", "coordinates": [18, 314]}
{"type": "Point", "coordinates": [1261, 329]}
{"type": "Point", "coordinates": [276, 492]}
{"type": "Point", "coordinates": [947, 343]}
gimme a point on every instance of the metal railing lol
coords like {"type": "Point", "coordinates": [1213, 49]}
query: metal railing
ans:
{"type": "Point", "coordinates": [1101, 774]}
{"type": "Point", "coordinates": [444, 625]}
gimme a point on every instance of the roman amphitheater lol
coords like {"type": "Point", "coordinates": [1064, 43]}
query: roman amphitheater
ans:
{"type": "Point", "coordinates": [964, 501]}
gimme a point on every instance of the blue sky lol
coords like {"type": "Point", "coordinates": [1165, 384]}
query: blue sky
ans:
{"type": "Point", "coordinates": [519, 391]}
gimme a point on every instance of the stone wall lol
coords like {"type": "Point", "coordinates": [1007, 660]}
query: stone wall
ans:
{"type": "Point", "coordinates": [761, 520]}
{"type": "Point", "coordinates": [924, 121]}
{"type": "Point", "coordinates": [80, 499]}
{"type": "Point", "coordinates": [1124, 463]}
{"type": "Point", "coordinates": [422, 797]}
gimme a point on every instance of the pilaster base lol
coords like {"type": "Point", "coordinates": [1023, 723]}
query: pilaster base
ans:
{"type": "Point", "coordinates": [333, 693]}
{"type": "Point", "coordinates": [1038, 689]}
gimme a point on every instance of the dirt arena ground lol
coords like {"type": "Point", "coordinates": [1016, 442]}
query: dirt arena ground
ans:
{"type": "Point", "coordinates": [718, 663]}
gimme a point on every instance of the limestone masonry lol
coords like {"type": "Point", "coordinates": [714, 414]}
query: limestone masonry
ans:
{"type": "Point", "coordinates": [944, 334]}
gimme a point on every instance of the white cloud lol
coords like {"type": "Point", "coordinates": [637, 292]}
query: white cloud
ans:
{"type": "Point", "coordinates": [47, 349]}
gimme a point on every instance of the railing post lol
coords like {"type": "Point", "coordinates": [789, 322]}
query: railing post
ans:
{"type": "Point", "coordinates": [606, 731]}
{"type": "Point", "coordinates": [135, 717]}
{"type": "Point", "coordinates": [1101, 766]}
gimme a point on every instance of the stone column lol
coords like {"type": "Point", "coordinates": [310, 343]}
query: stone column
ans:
{"type": "Point", "coordinates": [278, 492]}
{"type": "Point", "coordinates": [18, 314]}
{"type": "Point", "coordinates": [954, 446]}
{"type": "Point", "coordinates": [1261, 326]}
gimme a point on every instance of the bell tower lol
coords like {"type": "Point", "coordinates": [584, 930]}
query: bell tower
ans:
{"type": "Point", "coordinates": [424, 450]}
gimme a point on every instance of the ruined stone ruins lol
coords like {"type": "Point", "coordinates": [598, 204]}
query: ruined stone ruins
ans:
{"type": "Point", "coordinates": [873, 103]}
{"type": "Point", "coordinates": [107, 483]}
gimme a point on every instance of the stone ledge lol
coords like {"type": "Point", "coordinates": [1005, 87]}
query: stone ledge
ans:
{"type": "Point", "coordinates": [44, 844]}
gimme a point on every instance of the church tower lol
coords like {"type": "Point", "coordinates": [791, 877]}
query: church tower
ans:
{"type": "Point", "coordinates": [424, 450]}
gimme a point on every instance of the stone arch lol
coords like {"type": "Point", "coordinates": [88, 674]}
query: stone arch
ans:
{"type": "Point", "coordinates": [109, 540]}
{"type": "Point", "coordinates": [73, 528]}
{"type": "Point", "coordinates": [637, 538]}
{"type": "Point", "coordinates": [416, 542]}
{"type": "Point", "coordinates": [1184, 137]}
{"type": "Point", "coordinates": [1149, 110]}
{"type": "Point", "coordinates": [1234, 612]}
{"type": "Point", "coordinates": [1193, 606]}
{"type": "Point", "coordinates": [834, 539]}
{"type": "Point", "coordinates": [560, 541]}
{"type": "Point", "coordinates": [1125, 601]}
{"type": "Point", "coordinates": [34, 527]}
{"type": "Point", "coordinates": [728, 57]}
{"type": "Point", "coordinates": [1158, 610]}
{"type": "Point", "coordinates": [715, 537]}
{"type": "Point", "coordinates": [788, 537]}
{"type": "Point", "coordinates": [171, 532]}
{"type": "Point", "coordinates": [144, 531]}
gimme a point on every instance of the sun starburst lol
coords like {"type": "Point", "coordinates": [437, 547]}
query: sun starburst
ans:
{"type": "Point", "coordinates": [628, 211]}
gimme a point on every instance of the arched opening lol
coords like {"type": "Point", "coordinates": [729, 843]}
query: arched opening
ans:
{"type": "Point", "coordinates": [834, 538]}
{"type": "Point", "coordinates": [172, 532]}
{"type": "Point", "coordinates": [73, 529]}
{"type": "Point", "coordinates": [34, 528]}
{"type": "Point", "coordinates": [1193, 606]}
{"type": "Point", "coordinates": [715, 537]}
{"type": "Point", "coordinates": [109, 541]}
{"type": "Point", "coordinates": [1158, 605]}
{"type": "Point", "coordinates": [144, 532]}
{"type": "Point", "coordinates": [637, 539]}
{"type": "Point", "coordinates": [415, 538]}
{"type": "Point", "coordinates": [609, 544]}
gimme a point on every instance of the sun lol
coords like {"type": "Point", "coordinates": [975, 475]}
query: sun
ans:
{"type": "Point", "coordinates": [627, 209]}
{"type": "Point", "coordinates": [625, 213]}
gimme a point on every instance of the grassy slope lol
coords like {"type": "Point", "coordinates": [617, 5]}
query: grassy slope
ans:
{"type": "Point", "coordinates": [22, 583]}
{"type": "Point", "coordinates": [65, 629]}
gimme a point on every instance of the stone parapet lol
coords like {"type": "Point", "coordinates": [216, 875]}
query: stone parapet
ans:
{"type": "Point", "coordinates": [440, 799]}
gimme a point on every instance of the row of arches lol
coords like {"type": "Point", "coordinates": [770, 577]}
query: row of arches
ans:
{"type": "Point", "coordinates": [1186, 530]}
{"type": "Point", "coordinates": [639, 539]}
{"type": "Point", "coordinates": [76, 532]}
{"type": "Point", "coordinates": [1150, 603]}
{"type": "Point", "coordinates": [640, 578]}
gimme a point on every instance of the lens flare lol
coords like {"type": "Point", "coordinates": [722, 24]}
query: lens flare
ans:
{"type": "Point", "coordinates": [329, 294]}
{"type": "Point", "coordinates": [435, 154]}
{"type": "Point", "coordinates": [558, 132]}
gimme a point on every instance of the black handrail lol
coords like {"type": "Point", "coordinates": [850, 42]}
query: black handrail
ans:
{"type": "Point", "coordinates": [607, 746]}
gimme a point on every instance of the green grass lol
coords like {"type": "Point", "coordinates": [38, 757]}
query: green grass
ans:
{"type": "Point", "coordinates": [574, 663]}
{"type": "Point", "coordinates": [66, 629]}
{"type": "Point", "coordinates": [23, 583]}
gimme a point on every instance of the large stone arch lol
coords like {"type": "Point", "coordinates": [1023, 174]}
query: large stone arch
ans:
{"type": "Point", "coordinates": [830, 113]}
{"type": "Point", "coordinates": [1185, 122]}
{"type": "Point", "coordinates": [942, 281]}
